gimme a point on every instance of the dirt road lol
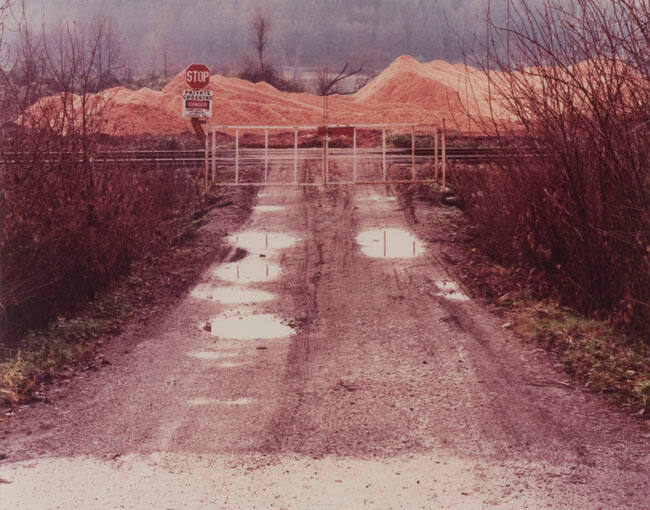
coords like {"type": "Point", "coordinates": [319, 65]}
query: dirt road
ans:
{"type": "Point", "coordinates": [330, 362]}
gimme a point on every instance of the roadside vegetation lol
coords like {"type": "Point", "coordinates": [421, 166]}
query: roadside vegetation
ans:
{"type": "Point", "coordinates": [578, 217]}
{"type": "Point", "coordinates": [71, 230]}
{"type": "Point", "coordinates": [574, 223]}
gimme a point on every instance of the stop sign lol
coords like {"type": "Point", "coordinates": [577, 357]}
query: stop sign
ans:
{"type": "Point", "coordinates": [197, 76]}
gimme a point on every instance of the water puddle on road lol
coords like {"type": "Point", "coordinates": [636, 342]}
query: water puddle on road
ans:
{"type": "Point", "coordinates": [450, 290]}
{"type": "Point", "coordinates": [260, 242]}
{"type": "Point", "coordinates": [248, 270]}
{"type": "Point", "coordinates": [205, 401]}
{"type": "Point", "coordinates": [268, 208]}
{"type": "Point", "coordinates": [232, 364]}
{"type": "Point", "coordinates": [245, 326]}
{"type": "Point", "coordinates": [231, 295]}
{"type": "Point", "coordinates": [390, 243]}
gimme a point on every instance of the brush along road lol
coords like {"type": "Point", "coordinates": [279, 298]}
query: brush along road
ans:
{"type": "Point", "coordinates": [329, 361]}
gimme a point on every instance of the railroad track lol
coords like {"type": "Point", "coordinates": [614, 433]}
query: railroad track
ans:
{"type": "Point", "coordinates": [193, 158]}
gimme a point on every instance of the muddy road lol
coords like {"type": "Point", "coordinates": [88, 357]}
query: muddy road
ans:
{"type": "Point", "coordinates": [329, 361]}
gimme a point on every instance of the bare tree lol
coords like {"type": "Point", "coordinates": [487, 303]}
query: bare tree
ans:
{"type": "Point", "coordinates": [261, 26]}
{"type": "Point", "coordinates": [332, 82]}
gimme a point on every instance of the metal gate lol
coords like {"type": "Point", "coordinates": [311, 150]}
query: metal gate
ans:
{"type": "Point", "coordinates": [323, 155]}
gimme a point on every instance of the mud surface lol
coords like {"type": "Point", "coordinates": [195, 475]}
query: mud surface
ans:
{"type": "Point", "coordinates": [364, 381]}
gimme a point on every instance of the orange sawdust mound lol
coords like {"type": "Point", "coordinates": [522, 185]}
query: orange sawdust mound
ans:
{"type": "Point", "coordinates": [406, 92]}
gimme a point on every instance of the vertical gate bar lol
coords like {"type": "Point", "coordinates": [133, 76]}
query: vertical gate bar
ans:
{"type": "Point", "coordinates": [383, 152]}
{"type": "Point", "coordinates": [323, 163]}
{"type": "Point", "coordinates": [435, 153]}
{"type": "Point", "coordinates": [413, 153]}
{"type": "Point", "coordinates": [327, 159]}
{"type": "Point", "coordinates": [205, 173]}
{"type": "Point", "coordinates": [236, 156]}
{"type": "Point", "coordinates": [295, 156]}
{"type": "Point", "coordinates": [214, 154]}
{"type": "Point", "coordinates": [444, 156]}
{"type": "Point", "coordinates": [266, 154]}
{"type": "Point", "coordinates": [354, 155]}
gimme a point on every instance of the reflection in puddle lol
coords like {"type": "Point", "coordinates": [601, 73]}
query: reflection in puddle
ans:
{"type": "Point", "coordinates": [450, 290]}
{"type": "Point", "coordinates": [243, 326]}
{"type": "Point", "coordinates": [204, 401]}
{"type": "Point", "coordinates": [212, 355]}
{"type": "Point", "coordinates": [231, 295]}
{"type": "Point", "coordinates": [390, 243]}
{"type": "Point", "coordinates": [268, 208]}
{"type": "Point", "coordinates": [248, 270]}
{"type": "Point", "coordinates": [257, 242]}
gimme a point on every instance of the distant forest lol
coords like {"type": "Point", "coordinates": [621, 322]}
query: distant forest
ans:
{"type": "Point", "coordinates": [159, 37]}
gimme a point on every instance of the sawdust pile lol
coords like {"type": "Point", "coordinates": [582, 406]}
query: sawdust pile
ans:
{"type": "Point", "coordinates": [406, 92]}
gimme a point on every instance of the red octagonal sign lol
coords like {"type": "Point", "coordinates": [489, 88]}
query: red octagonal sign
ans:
{"type": "Point", "coordinates": [197, 76]}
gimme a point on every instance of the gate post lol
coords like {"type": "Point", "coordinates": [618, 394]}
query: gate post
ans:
{"type": "Point", "coordinates": [444, 156]}
{"type": "Point", "coordinates": [266, 154]}
{"type": "Point", "coordinates": [354, 155]}
{"type": "Point", "coordinates": [435, 154]}
{"type": "Point", "coordinates": [205, 173]}
{"type": "Point", "coordinates": [237, 156]}
{"type": "Point", "coordinates": [214, 154]}
{"type": "Point", "coordinates": [295, 156]}
{"type": "Point", "coordinates": [413, 153]}
{"type": "Point", "coordinates": [383, 152]}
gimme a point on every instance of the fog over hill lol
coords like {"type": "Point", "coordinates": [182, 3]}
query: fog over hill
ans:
{"type": "Point", "coordinates": [162, 36]}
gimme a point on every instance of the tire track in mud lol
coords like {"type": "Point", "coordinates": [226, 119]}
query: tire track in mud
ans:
{"type": "Point", "coordinates": [321, 210]}
{"type": "Point", "coordinates": [389, 365]}
{"type": "Point", "coordinates": [394, 392]}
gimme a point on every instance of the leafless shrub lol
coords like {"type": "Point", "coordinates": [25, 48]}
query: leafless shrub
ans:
{"type": "Point", "coordinates": [575, 76]}
{"type": "Point", "coordinates": [331, 82]}
{"type": "Point", "coordinates": [69, 227]}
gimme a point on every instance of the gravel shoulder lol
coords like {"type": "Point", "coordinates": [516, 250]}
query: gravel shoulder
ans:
{"type": "Point", "coordinates": [392, 389]}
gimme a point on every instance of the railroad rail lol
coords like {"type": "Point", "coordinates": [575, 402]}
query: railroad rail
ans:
{"type": "Point", "coordinates": [196, 157]}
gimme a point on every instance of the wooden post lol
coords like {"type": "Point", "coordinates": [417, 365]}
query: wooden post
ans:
{"type": "Point", "coordinates": [444, 156]}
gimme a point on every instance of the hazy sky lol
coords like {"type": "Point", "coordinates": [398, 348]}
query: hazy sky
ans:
{"type": "Point", "coordinates": [303, 32]}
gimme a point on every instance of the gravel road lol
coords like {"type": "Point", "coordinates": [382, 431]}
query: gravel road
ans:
{"type": "Point", "coordinates": [330, 361]}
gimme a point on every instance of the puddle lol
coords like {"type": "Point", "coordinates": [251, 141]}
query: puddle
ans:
{"type": "Point", "coordinates": [248, 270]}
{"type": "Point", "coordinates": [390, 243]}
{"type": "Point", "coordinates": [204, 401]}
{"type": "Point", "coordinates": [450, 290]}
{"type": "Point", "coordinates": [231, 295]}
{"type": "Point", "coordinates": [243, 326]}
{"type": "Point", "coordinates": [259, 242]}
{"type": "Point", "coordinates": [232, 364]}
{"type": "Point", "coordinates": [212, 355]}
{"type": "Point", "coordinates": [268, 208]}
